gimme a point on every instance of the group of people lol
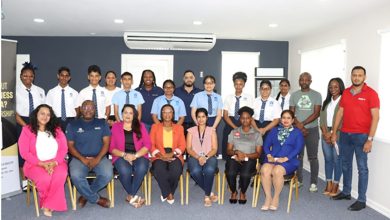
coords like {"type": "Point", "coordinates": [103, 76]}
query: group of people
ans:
{"type": "Point", "coordinates": [161, 125]}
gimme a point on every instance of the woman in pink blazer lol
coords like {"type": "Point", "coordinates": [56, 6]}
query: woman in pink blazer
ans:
{"type": "Point", "coordinates": [43, 146]}
{"type": "Point", "coordinates": [129, 147]}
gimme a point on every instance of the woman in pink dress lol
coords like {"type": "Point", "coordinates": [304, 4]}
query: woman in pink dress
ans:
{"type": "Point", "coordinates": [43, 145]}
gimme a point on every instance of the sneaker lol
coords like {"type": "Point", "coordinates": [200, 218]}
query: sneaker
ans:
{"type": "Point", "coordinates": [313, 188]}
{"type": "Point", "coordinates": [299, 185]}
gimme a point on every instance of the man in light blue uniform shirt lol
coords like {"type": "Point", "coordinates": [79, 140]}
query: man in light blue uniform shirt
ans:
{"type": "Point", "coordinates": [168, 98]}
{"type": "Point", "coordinates": [127, 96]}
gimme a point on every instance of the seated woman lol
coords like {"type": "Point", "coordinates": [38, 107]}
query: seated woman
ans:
{"type": "Point", "coordinates": [281, 147]}
{"type": "Point", "coordinates": [243, 149]}
{"type": "Point", "coordinates": [129, 147]}
{"type": "Point", "coordinates": [202, 146]}
{"type": "Point", "coordinates": [43, 145]}
{"type": "Point", "coordinates": [168, 146]}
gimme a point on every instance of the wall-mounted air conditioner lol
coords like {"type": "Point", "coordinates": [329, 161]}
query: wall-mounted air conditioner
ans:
{"type": "Point", "coordinates": [169, 41]}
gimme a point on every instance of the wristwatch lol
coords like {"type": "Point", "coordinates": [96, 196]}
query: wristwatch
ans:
{"type": "Point", "coordinates": [370, 138]}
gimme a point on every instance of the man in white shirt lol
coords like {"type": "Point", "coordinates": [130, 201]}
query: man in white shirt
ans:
{"type": "Point", "coordinates": [28, 97]}
{"type": "Point", "coordinates": [96, 93]}
{"type": "Point", "coordinates": [63, 98]}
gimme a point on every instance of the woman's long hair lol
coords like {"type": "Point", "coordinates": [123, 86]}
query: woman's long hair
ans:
{"type": "Point", "coordinates": [282, 81]}
{"type": "Point", "coordinates": [135, 124]}
{"type": "Point", "coordinates": [329, 95]}
{"type": "Point", "coordinates": [141, 83]}
{"type": "Point", "coordinates": [51, 125]}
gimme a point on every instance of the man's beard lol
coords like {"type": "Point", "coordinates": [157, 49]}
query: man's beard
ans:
{"type": "Point", "coordinates": [188, 84]}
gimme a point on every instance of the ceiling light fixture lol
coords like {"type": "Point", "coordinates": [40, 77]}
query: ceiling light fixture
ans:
{"type": "Point", "coordinates": [197, 23]}
{"type": "Point", "coordinates": [119, 21]}
{"type": "Point", "coordinates": [273, 25]}
{"type": "Point", "coordinates": [92, 33]}
{"type": "Point", "coordinates": [39, 20]}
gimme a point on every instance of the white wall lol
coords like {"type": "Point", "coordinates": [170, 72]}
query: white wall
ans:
{"type": "Point", "coordinates": [363, 48]}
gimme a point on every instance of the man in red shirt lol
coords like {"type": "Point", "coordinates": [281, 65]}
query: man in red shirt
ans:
{"type": "Point", "coordinates": [359, 111]}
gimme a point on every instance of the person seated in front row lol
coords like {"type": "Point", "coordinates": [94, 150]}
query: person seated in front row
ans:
{"type": "Point", "coordinates": [202, 146]}
{"type": "Point", "coordinates": [168, 146]}
{"type": "Point", "coordinates": [243, 149]}
{"type": "Point", "coordinates": [88, 142]}
{"type": "Point", "coordinates": [42, 144]}
{"type": "Point", "coordinates": [281, 147]}
{"type": "Point", "coordinates": [129, 147]}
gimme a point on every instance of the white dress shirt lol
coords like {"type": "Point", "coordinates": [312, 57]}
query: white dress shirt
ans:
{"type": "Point", "coordinates": [53, 99]}
{"type": "Point", "coordinates": [272, 109]}
{"type": "Point", "coordinates": [46, 146]}
{"type": "Point", "coordinates": [330, 110]}
{"type": "Point", "coordinates": [229, 103]}
{"type": "Point", "coordinates": [286, 105]}
{"type": "Point", "coordinates": [110, 94]}
{"type": "Point", "coordinates": [22, 101]}
{"type": "Point", "coordinates": [101, 98]}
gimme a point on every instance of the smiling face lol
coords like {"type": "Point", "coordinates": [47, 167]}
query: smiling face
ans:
{"type": "Point", "coordinates": [167, 114]}
{"type": "Point", "coordinates": [148, 79]}
{"type": "Point", "coordinates": [189, 79]}
{"type": "Point", "coordinates": [209, 85]}
{"type": "Point", "coordinates": [245, 119]}
{"type": "Point", "coordinates": [239, 85]}
{"type": "Point", "coordinates": [168, 89]}
{"type": "Point", "coordinates": [63, 78]}
{"type": "Point", "coordinates": [128, 115]}
{"type": "Point", "coordinates": [110, 79]}
{"type": "Point", "coordinates": [94, 78]}
{"type": "Point", "coordinates": [334, 88]}
{"type": "Point", "coordinates": [201, 118]}
{"type": "Point", "coordinates": [287, 120]}
{"type": "Point", "coordinates": [88, 110]}
{"type": "Point", "coordinates": [127, 82]}
{"type": "Point", "coordinates": [284, 88]}
{"type": "Point", "coordinates": [43, 116]}
{"type": "Point", "coordinates": [27, 77]}
{"type": "Point", "coordinates": [265, 91]}
{"type": "Point", "coordinates": [358, 77]}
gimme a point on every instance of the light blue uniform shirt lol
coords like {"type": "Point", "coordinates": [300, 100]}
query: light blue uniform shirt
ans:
{"type": "Point", "coordinates": [176, 102]}
{"type": "Point", "coordinates": [119, 99]}
{"type": "Point", "coordinates": [200, 100]}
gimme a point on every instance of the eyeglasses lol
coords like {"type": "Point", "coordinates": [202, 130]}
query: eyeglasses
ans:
{"type": "Point", "coordinates": [265, 88]}
{"type": "Point", "coordinates": [88, 107]}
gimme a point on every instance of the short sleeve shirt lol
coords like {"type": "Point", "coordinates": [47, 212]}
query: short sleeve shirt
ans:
{"type": "Point", "coordinates": [101, 98]}
{"type": "Point", "coordinates": [187, 99]}
{"type": "Point", "coordinates": [272, 109]}
{"type": "Point", "coordinates": [149, 97]}
{"type": "Point", "coordinates": [119, 99]}
{"type": "Point", "coordinates": [88, 136]}
{"type": "Point", "coordinates": [176, 102]}
{"type": "Point", "coordinates": [200, 100]}
{"type": "Point", "coordinates": [230, 103]}
{"type": "Point", "coordinates": [53, 99]}
{"type": "Point", "coordinates": [304, 103]}
{"type": "Point", "coordinates": [22, 100]}
{"type": "Point", "coordinates": [245, 142]}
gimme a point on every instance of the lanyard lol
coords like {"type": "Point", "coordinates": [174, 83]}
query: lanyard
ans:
{"type": "Point", "coordinates": [201, 138]}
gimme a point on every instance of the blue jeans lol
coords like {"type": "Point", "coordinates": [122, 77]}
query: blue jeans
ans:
{"type": "Point", "coordinates": [79, 172]}
{"type": "Point", "coordinates": [131, 176]}
{"type": "Point", "coordinates": [332, 162]}
{"type": "Point", "coordinates": [353, 143]}
{"type": "Point", "coordinates": [203, 175]}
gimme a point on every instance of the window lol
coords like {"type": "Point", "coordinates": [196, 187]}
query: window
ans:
{"type": "Point", "coordinates": [382, 131]}
{"type": "Point", "coordinates": [161, 65]}
{"type": "Point", "coordinates": [323, 64]}
{"type": "Point", "coordinates": [233, 62]}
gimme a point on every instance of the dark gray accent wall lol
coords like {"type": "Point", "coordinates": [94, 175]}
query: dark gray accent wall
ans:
{"type": "Point", "coordinates": [49, 53]}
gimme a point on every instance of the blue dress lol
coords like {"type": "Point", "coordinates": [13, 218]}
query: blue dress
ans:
{"type": "Point", "coordinates": [290, 148]}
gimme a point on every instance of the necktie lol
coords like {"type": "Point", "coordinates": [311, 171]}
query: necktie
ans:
{"type": "Point", "coordinates": [262, 111]}
{"type": "Point", "coordinates": [168, 101]}
{"type": "Point", "coordinates": [127, 97]}
{"type": "Point", "coordinates": [282, 104]}
{"type": "Point", "coordinates": [95, 102]}
{"type": "Point", "coordinates": [209, 104]}
{"type": "Point", "coordinates": [30, 101]}
{"type": "Point", "coordinates": [63, 110]}
{"type": "Point", "coordinates": [236, 108]}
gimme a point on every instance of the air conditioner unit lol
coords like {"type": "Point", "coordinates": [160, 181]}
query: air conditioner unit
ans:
{"type": "Point", "coordinates": [169, 41]}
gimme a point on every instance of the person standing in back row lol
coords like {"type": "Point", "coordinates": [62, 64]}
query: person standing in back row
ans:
{"type": "Point", "coordinates": [359, 110]}
{"type": "Point", "coordinates": [306, 104]}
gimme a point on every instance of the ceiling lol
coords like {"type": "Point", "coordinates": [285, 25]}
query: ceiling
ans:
{"type": "Point", "coordinates": [228, 19]}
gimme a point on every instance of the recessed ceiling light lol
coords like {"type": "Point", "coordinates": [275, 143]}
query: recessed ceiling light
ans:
{"type": "Point", "coordinates": [92, 33]}
{"type": "Point", "coordinates": [197, 23]}
{"type": "Point", "coordinates": [119, 21]}
{"type": "Point", "coordinates": [39, 20]}
{"type": "Point", "coordinates": [273, 25]}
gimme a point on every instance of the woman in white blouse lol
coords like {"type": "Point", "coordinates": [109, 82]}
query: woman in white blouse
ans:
{"type": "Point", "coordinates": [43, 146]}
{"type": "Point", "coordinates": [283, 96]}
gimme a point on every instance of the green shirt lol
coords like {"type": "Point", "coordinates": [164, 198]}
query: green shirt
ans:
{"type": "Point", "coordinates": [304, 103]}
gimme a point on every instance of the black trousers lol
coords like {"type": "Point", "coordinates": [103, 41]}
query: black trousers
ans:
{"type": "Point", "coordinates": [18, 132]}
{"type": "Point", "coordinates": [245, 169]}
{"type": "Point", "coordinates": [167, 175]}
{"type": "Point", "coordinates": [226, 131]}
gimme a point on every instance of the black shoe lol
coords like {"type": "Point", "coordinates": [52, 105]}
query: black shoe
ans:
{"type": "Point", "coordinates": [357, 206]}
{"type": "Point", "coordinates": [233, 201]}
{"type": "Point", "coordinates": [341, 196]}
{"type": "Point", "coordinates": [242, 201]}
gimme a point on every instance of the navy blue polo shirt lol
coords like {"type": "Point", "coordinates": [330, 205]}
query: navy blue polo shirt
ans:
{"type": "Point", "coordinates": [187, 99]}
{"type": "Point", "coordinates": [149, 97]}
{"type": "Point", "coordinates": [88, 136]}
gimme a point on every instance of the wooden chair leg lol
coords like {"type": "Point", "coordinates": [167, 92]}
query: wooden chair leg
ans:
{"type": "Point", "coordinates": [187, 186]}
{"type": "Point", "coordinates": [28, 193]}
{"type": "Point", "coordinates": [181, 189]}
{"type": "Point", "coordinates": [258, 189]}
{"type": "Point", "coordinates": [145, 189]}
{"type": "Point", "coordinates": [219, 187]}
{"type": "Point", "coordinates": [254, 190]}
{"type": "Point", "coordinates": [296, 188]}
{"type": "Point", "coordinates": [223, 188]}
{"type": "Point", "coordinates": [71, 193]}
{"type": "Point", "coordinates": [112, 193]}
{"type": "Point", "coordinates": [74, 197]}
{"type": "Point", "coordinates": [150, 188]}
{"type": "Point", "coordinates": [290, 194]}
{"type": "Point", "coordinates": [35, 199]}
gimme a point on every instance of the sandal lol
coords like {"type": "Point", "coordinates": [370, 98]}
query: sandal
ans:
{"type": "Point", "coordinates": [207, 201]}
{"type": "Point", "coordinates": [47, 212]}
{"type": "Point", "coordinates": [136, 201]}
{"type": "Point", "coordinates": [213, 197]}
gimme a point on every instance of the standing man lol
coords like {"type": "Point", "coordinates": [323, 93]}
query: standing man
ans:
{"type": "Point", "coordinates": [88, 142]}
{"type": "Point", "coordinates": [306, 104]}
{"type": "Point", "coordinates": [359, 111]}
{"type": "Point", "coordinates": [186, 93]}
{"type": "Point", "coordinates": [28, 97]}
{"type": "Point", "coordinates": [66, 109]}
{"type": "Point", "coordinates": [96, 93]}
{"type": "Point", "coordinates": [127, 96]}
